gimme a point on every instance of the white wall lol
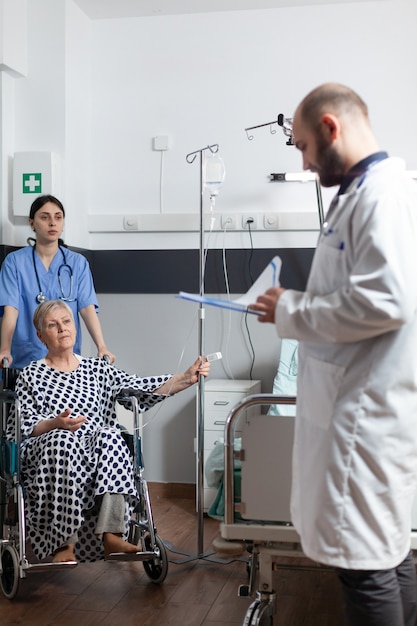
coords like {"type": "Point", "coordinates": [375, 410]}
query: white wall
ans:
{"type": "Point", "coordinates": [96, 92]}
{"type": "Point", "coordinates": [78, 116]}
{"type": "Point", "coordinates": [40, 97]}
{"type": "Point", "coordinates": [204, 78]}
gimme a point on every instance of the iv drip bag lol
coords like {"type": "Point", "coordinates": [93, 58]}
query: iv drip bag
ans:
{"type": "Point", "coordinates": [214, 173]}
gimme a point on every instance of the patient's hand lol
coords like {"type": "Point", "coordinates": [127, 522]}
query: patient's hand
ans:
{"type": "Point", "coordinates": [178, 382]}
{"type": "Point", "coordinates": [202, 369]}
{"type": "Point", "coordinates": [66, 422]}
{"type": "Point", "coordinates": [63, 421]}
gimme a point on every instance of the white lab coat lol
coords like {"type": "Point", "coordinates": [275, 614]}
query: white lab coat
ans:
{"type": "Point", "coordinates": [355, 450]}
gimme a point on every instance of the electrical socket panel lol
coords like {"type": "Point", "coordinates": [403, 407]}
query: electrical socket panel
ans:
{"type": "Point", "coordinates": [130, 222]}
{"type": "Point", "coordinates": [190, 222]}
{"type": "Point", "coordinates": [271, 221]}
{"type": "Point", "coordinates": [228, 222]}
{"type": "Point", "coordinates": [250, 220]}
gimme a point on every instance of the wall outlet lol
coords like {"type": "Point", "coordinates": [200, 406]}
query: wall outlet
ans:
{"type": "Point", "coordinates": [249, 220]}
{"type": "Point", "coordinates": [271, 221]}
{"type": "Point", "coordinates": [228, 222]}
{"type": "Point", "coordinates": [130, 222]}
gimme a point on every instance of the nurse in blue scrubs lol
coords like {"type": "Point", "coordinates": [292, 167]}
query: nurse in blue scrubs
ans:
{"type": "Point", "coordinates": [45, 270]}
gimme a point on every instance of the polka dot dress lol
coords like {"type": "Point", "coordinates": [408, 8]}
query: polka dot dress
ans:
{"type": "Point", "coordinates": [65, 473]}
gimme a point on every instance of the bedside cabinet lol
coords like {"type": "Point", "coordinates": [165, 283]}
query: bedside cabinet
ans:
{"type": "Point", "coordinates": [220, 396]}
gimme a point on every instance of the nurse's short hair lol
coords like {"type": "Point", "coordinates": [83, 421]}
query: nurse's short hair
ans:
{"type": "Point", "coordinates": [47, 307]}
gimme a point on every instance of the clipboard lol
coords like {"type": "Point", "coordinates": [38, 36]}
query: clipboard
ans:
{"type": "Point", "coordinates": [267, 279]}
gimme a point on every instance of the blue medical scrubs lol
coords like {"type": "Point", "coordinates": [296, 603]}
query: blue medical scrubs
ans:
{"type": "Point", "coordinates": [19, 288]}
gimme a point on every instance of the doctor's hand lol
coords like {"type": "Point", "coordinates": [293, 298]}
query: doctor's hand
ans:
{"type": "Point", "coordinates": [266, 304]}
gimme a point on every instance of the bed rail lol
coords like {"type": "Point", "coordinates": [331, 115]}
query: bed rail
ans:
{"type": "Point", "coordinates": [229, 430]}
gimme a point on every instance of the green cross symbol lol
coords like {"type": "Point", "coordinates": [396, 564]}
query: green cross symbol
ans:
{"type": "Point", "coordinates": [32, 183]}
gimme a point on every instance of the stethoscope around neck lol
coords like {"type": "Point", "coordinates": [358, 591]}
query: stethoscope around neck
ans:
{"type": "Point", "coordinates": [63, 267]}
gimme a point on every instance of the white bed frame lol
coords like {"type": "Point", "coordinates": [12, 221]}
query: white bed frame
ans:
{"type": "Point", "coordinates": [265, 495]}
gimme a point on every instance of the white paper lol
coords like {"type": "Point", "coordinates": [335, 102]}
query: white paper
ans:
{"type": "Point", "coordinates": [267, 279]}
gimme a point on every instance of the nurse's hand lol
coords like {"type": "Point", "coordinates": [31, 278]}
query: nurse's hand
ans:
{"type": "Point", "coordinates": [5, 358]}
{"type": "Point", "coordinates": [104, 352]}
{"type": "Point", "coordinates": [266, 304]}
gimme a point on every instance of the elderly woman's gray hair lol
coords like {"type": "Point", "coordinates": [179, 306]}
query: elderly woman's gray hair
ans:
{"type": "Point", "coordinates": [47, 307]}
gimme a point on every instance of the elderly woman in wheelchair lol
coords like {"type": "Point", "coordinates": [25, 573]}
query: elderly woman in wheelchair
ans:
{"type": "Point", "coordinates": [75, 463]}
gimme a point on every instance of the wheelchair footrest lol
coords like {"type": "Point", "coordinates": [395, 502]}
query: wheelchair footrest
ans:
{"type": "Point", "coordinates": [41, 567]}
{"type": "Point", "coordinates": [130, 556]}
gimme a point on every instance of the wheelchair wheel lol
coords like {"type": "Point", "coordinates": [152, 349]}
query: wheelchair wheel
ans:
{"type": "Point", "coordinates": [2, 501]}
{"type": "Point", "coordinates": [156, 568]}
{"type": "Point", "coordinates": [9, 579]}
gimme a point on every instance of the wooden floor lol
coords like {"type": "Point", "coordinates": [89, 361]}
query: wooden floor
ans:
{"type": "Point", "coordinates": [196, 593]}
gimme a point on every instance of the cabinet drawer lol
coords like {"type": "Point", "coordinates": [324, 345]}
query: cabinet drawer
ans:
{"type": "Point", "coordinates": [217, 420]}
{"type": "Point", "coordinates": [222, 402]}
{"type": "Point", "coordinates": [213, 421]}
{"type": "Point", "coordinates": [211, 437]}
{"type": "Point", "coordinates": [220, 397]}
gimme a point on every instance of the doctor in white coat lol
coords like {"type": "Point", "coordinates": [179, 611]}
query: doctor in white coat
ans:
{"type": "Point", "coordinates": [355, 450]}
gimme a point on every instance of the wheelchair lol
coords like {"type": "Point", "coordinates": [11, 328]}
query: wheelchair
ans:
{"type": "Point", "coordinates": [14, 560]}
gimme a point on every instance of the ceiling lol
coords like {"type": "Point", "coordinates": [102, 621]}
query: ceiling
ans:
{"type": "Point", "coordinates": [105, 9]}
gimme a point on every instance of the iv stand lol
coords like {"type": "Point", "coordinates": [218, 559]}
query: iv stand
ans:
{"type": "Point", "coordinates": [190, 158]}
{"type": "Point", "coordinates": [200, 398]}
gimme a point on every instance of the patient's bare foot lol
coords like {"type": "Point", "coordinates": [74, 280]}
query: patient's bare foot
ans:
{"type": "Point", "coordinates": [116, 543]}
{"type": "Point", "coordinates": [66, 553]}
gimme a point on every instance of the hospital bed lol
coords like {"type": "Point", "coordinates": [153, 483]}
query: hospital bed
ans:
{"type": "Point", "coordinates": [15, 562]}
{"type": "Point", "coordinates": [260, 517]}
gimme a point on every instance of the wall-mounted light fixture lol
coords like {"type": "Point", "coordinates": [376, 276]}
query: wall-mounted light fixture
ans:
{"type": "Point", "coordinates": [302, 177]}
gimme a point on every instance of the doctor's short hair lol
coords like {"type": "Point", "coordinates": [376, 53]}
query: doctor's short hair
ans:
{"type": "Point", "coordinates": [331, 98]}
{"type": "Point", "coordinates": [47, 307]}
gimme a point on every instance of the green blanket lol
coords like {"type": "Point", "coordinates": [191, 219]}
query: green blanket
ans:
{"type": "Point", "coordinates": [216, 509]}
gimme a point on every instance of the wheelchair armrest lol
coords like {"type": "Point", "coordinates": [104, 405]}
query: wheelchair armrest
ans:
{"type": "Point", "coordinates": [8, 394]}
{"type": "Point", "coordinates": [128, 438]}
